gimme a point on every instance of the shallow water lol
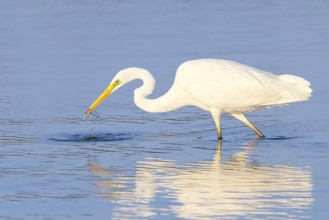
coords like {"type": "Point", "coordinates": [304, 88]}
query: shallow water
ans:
{"type": "Point", "coordinates": [57, 56]}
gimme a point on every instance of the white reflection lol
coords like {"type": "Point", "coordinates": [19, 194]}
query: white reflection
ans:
{"type": "Point", "coordinates": [223, 188]}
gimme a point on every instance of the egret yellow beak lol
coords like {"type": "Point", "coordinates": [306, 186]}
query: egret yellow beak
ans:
{"type": "Point", "coordinates": [102, 96]}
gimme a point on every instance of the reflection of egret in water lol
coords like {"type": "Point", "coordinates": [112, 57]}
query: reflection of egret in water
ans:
{"type": "Point", "coordinates": [233, 187]}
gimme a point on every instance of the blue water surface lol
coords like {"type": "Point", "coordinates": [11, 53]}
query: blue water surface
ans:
{"type": "Point", "coordinates": [57, 56]}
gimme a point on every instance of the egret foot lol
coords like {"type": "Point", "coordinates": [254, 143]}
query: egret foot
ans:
{"type": "Point", "coordinates": [243, 118]}
{"type": "Point", "coordinates": [216, 116]}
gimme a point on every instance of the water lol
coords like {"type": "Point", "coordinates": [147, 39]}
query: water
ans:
{"type": "Point", "coordinates": [57, 56]}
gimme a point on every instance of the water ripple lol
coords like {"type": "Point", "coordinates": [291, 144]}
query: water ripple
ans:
{"type": "Point", "coordinates": [97, 137]}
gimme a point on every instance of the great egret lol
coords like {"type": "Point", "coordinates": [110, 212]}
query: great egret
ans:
{"type": "Point", "coordinates": [214, 85]}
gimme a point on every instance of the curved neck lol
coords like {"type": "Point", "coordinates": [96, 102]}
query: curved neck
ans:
{"type": "Point", "coordinates": [167, 102]}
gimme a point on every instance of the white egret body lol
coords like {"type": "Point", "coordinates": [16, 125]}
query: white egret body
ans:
{"type": "Point", "coordinates": [216, 86]}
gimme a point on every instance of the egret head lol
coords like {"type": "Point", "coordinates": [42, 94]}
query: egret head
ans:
{"type": "Point", "coordinates": [121, 78]}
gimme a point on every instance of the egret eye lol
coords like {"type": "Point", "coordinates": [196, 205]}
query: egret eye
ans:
{"type": "Point", "coordinates": [117, 81]}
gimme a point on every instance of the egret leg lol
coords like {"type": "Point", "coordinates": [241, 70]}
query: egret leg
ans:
{"type": "Point", "coordinates": [216, 117]}
{"type": "Point", "coordinates": [243, 118]}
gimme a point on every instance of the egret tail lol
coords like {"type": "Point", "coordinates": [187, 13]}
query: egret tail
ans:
{"type": "Point", "coordinates": [297, 89]}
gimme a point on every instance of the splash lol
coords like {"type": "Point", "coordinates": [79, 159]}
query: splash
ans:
{"type": "Point", "coordinates": [87, 117]}
{"type": "Point", "coordinates": [91, 115]}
